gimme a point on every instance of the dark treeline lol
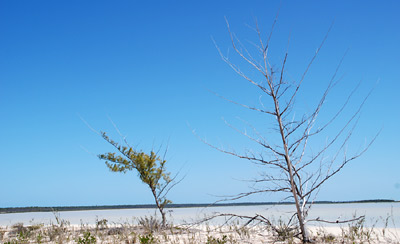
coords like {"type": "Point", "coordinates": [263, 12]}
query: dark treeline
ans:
{"type": "Point", "coordinates": [191, 205]}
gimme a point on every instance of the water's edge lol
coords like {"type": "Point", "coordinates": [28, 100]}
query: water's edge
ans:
{"type": "Point", "coordinates": [173, 205]}
{"type": "Point", "coordinates": [375, 214]}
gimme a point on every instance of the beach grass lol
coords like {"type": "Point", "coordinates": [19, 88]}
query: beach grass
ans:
{"type": "Point", "coordinates": [148, 230]}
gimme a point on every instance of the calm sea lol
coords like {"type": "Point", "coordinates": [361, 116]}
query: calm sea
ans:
{"type": "Point", "coordinates": [375, 214]}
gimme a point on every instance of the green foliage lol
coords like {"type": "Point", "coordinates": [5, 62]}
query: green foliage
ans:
{"type": "Point", "coordinates": [87, 239]}
{"type": "Point", "coordinates": [147, 239]}
{"type": "Point", "coordinates": [22, 233]}
{"type": "Point", "coordinates": [149, 167]}
{"type": "Point", "coordinates": [39, 238]}
{"type": "Point", "coordinates": [214, 240]}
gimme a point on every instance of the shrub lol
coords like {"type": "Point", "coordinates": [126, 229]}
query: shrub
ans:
{"type": "Point", "coordinates": [87, 238]}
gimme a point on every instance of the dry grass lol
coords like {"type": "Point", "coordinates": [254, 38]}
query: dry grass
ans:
{"type": "Point", "coordinates": [147, 230]}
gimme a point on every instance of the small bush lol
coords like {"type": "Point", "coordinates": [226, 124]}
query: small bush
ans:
{"type": "Point", "coordinates": [284, 232]}
{"type": "Point", "coordinates": [87, 239]}
{"type": "Point", "coordinates": [101, 224]}
{"type": "Point", "coordinates": [23, 233]}
{"type": "Point", "coordinates": [213, 240]}
{"type": "Point", "coordinates": [147, 239]}
{"type": "Point", "coordinates": [328, 238]}
{"type": "Point", "coordinates": [150, 224]}
{"type": "Point", "coordinates": [357, 231]}
{"type": "Point", "coordinates": [115, 231]}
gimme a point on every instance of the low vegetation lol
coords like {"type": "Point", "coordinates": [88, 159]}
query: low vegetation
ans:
{"type": "Point", "coordinates": [147, 230]}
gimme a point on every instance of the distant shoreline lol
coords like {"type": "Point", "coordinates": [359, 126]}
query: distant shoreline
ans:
{"type": "Point", "coordinates": [184, 205]}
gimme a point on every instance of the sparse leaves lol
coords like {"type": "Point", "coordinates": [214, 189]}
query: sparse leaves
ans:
{"type": "Point", "coordinates": [149, 167]}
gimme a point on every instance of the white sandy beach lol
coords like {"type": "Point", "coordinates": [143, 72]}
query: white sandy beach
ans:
{"type": "Point", "coordinates": [381, 225]}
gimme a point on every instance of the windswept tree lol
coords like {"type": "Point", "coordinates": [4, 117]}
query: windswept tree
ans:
{"type": "Point", "coordinates": [290, 166]}
{"type": "Point", "coordinates": [149, 167]}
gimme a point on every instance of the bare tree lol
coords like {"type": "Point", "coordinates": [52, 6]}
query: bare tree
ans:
{"type": "Point", "coordinates": [290, 166]}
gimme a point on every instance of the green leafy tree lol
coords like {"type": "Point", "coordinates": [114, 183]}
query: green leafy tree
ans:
{"type": "Point", "coordinates": [149, 167]}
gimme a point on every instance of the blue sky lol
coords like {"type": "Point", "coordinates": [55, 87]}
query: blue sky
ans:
{"type": "Point", "coordinates": [149, 66]}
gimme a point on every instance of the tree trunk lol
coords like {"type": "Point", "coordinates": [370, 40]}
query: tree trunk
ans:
{"type": "Point", "coordinates": [300, 216]}
{"type": "Point", "coordinates": [160, 208]}
{"type": "Point", "coordinates": [164, 220]}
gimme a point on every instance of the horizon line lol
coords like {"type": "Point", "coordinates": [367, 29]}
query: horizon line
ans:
{"type": "Point", "coordinates": [4, 210]}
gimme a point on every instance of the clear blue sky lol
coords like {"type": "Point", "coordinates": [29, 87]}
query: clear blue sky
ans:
{"type": "Point", "coordinates": [148, 65]}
